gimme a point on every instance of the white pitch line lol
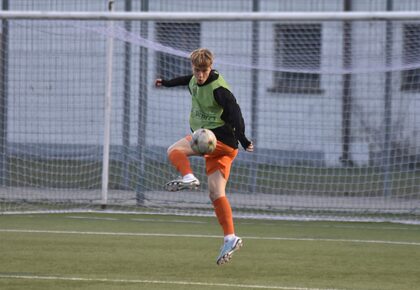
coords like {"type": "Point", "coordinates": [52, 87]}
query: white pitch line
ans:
{"type": "Point", "coordinates": [109, 233]}
{"type": "Point", "coordinates": [210, 236]}
{"type": "Point", "coordinates": [93, 218]}
{"type": "Point", "coordinates": [167, 221]}
{"type": "Point", "coordinates": [152, 220]}
{"type": "Point", "coordinates": [139, 220]}
{"type": "Point", "coordinates": [254, 223]}
{"type": "Point", "coordinates": [137, 281]}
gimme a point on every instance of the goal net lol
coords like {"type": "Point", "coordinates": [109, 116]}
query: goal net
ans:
{"type": "Point", "coordinates": [331, 105]}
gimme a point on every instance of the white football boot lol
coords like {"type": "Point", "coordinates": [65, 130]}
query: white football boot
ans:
{"type": "Point", "coordinates": [189, 181]}
{"type": "Point", "coordinates": [226, 251]}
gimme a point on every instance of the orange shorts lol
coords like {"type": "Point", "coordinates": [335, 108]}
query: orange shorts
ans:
{"type": "Point", "coordinates": [220, 159]}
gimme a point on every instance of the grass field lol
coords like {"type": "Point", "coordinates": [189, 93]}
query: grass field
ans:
{"type": "Point", "coordinates": [122, 251]}
{"type": "Point", "coordinates": [353, 181]}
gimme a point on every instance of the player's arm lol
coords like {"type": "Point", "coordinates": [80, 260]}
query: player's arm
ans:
{"type": "Point", "coordinates": [179, 81]}
{"type": "Point", "coordinates": [233, 115]}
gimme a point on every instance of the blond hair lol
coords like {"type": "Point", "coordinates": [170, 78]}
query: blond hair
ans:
{"type": "Point", "coordinates": [201, 58]}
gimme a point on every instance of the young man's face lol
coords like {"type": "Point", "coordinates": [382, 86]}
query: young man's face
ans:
{"type": "Point", "coordinates": [201, 74]}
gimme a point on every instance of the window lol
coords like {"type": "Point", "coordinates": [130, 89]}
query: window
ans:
{"type": "Point", "coordinates": [297, 47]}
{"type": "Point", "coordinates": [182, 36]}
{"type": "Point", "coordinates": [410, 79]}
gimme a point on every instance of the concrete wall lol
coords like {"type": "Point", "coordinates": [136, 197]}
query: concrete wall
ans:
{"type": "Point", "coordinates": [57, 73]}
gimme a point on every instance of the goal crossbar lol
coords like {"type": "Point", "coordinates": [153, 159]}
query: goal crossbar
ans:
{"type": "Point", "coordinates": [214, 16]}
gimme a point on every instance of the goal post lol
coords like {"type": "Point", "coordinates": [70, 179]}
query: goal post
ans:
{"type": "Point", "coordinates": [214, 16]}
{"type": "Point", "coordinates": [330, 99]}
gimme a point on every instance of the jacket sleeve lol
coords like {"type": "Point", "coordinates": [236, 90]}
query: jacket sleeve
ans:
{"type": "Point", "coordinates": [179, 81]}
{"type": "Point", "coordinates": [232, 114]}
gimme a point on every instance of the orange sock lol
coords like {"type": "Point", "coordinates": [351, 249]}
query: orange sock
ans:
{"type": "Point", "coordinates": [180, 161]}
{"type": "Point", "coordinates": [224, 214]}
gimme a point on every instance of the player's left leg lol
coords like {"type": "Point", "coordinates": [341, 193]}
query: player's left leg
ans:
{"type": "Point", "coordinates": [223, 211]}
{"type": "Point", "coordinates": [218, 170]}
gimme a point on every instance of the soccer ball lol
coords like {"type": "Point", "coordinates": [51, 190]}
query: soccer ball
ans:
{"type": "Point", "coordinates": [203, 141]}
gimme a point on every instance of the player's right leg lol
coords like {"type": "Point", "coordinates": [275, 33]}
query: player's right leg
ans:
{"type": "Point", "coordinates": [178, 154]}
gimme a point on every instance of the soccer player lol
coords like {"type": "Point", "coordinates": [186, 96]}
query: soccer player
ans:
{"type": "Point", "coordinates": [213, 107]}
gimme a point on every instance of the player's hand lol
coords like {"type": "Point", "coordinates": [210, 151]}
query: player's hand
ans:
{"type": "Point", "coordinates": [158, 82]}
{"type": "Point", "coordinates": [246, 144]}
{"type": "Point", "coordinates": [250, 147]}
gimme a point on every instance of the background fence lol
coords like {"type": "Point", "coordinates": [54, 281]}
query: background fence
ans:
{"type": "Point", "coordinates": [331, 105]}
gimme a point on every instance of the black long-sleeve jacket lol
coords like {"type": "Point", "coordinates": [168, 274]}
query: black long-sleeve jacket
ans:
{"type": "Point", "coordinates": [234, 128]}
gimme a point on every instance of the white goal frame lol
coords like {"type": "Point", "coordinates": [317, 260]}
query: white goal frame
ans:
{"type": "Point", "coordinates": [186, 17]}
{"type": "Point", "coordinates": [215, 16]}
